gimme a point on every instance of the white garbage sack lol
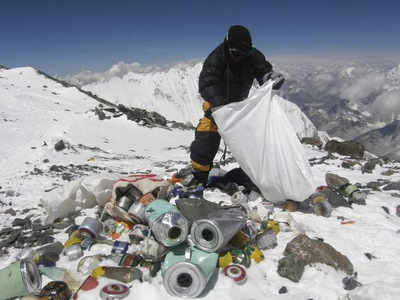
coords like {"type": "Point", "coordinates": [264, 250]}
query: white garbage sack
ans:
{"type": "Point", "coordinates": [262, 140]}
{"type": "Point", "coordinates": [76, 195]}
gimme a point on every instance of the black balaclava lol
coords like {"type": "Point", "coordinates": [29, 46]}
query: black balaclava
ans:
{"type": "Point", "coordinates": [239, 38]}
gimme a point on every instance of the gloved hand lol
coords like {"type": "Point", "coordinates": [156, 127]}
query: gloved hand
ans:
{"type": "Point", "coordinates": [276, 77]}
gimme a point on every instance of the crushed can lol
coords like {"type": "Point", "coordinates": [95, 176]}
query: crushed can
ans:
{"type": "Point", "coordinates": [151, 250]}
{"type": "Point", "coordinates": [120, 247]}
{"type": "Point", "coordinates": [136, 212]}
{"type": "Point", "coordinates": [56, 290]}
{"type": "Point", "coordinates": [21, 278]}
{"type": "Point", "coordinates": [74, 252]}
{"type": "Point", "coordinates": [124, 202]}
{"type": "Point", "coordinates": [123, 274]}
{"type": "Point", "coordinates": [91, 228]}
{"type": "Point", "coordinates": [187, 270]}
{"type": "Point", "coordinates": [87, 264]}
{"type": "Point", "coordinates": [127, 260]}
{"type": "Point", "coordinates": [215, 232]}
{"type": "Point", "coordinates": [168, 225]}
{"type": "Point", "coordinates": [114, 291]}
{"type": "Point", "coordinates": [138, 233]}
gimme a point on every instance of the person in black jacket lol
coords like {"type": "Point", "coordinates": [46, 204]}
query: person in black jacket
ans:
{"type": "Point", "coordinates": [227, 76]}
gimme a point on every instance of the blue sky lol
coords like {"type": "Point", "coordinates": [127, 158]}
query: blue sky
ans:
{"type": "Point", "coordinates": [62, 37]}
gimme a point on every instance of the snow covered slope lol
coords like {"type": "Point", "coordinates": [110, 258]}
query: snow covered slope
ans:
{"type": "Point", "coordinates": [29, 168]}
{"type": "Point", "coordinates": [172, 93]}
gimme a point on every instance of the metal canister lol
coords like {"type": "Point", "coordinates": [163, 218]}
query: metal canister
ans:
{"type": "Point", "coordinates": [168, 225]}
{"type": "Point", "coordinates": [56, 290]}
{"type": "Point", "coordinates": [136, 212]}
{"type": "Point", "coordinates": [120, 247]}
{"type": "Point", "coordinates": [124, 202]}
{"type": "Point", "coordinates": [114, 291]}
{"type": "Point", "coordinates": [90, 227]}
{"type": "Point", "coordinates": [123, 274]}
{"type": "Point", "coordinates": [20, 279]}
{"type": "Point", "coordinates": [152, 250]}
{"type": "Point", "coordinates": [74, 252]}
{"type": "Point", "coordinates": [213, 233]}
{"type": "Point", "coordinates": [186, 271]}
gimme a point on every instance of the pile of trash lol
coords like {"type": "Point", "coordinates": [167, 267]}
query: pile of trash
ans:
{"type": "Point", "coordinates": [152, 225]}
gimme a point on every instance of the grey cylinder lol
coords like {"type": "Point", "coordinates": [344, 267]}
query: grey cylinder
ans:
{"type": "Point", "coordinates": [214, 233]}
{"type": "Point", "coordinates": [91, 227]}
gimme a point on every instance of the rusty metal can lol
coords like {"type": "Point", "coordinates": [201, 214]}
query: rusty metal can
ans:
{"type": "Point", "coordinates": [124, 202]}
{"type": "Point", "coordinates": [56, 290]}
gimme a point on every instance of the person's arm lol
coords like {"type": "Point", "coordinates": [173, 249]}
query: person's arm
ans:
{"type": "Point", "coordinates": [265, 72]}
{"type": "Point", "coordinates": [211, 80]}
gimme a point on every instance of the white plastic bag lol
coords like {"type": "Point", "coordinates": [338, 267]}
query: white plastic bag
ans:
{"type": "Point", "coordinates": [265, 145]}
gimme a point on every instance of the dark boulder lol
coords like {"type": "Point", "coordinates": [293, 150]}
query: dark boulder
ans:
{"type": "Point", "coordinates": [348, 148]}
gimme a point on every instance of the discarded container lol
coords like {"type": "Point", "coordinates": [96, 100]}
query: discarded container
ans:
{"type": "Point", "coordinates": [186, 271]}
{"type": "Point", "coordinates": [251, 229]}
{"type": "Point", "coordinates": [56, 290]}
{"type": "Point", "coordinates": [123, 274]}
{"type": "Point", "coordinates": [114, 291]}
{"type": "Point", "coordinates": [266, 240]}
{"type": "Point", "coordinates": [320, 205]}
{"type": "Point", "coordinates": [124, 202]}
{"type": "Point", "coordinates": [108, 227]}
{"type": "Point", "coordinates": [151, 250]}
{"type": "Point", "coordinates": [236, 273]}
{"type": "Point", "coordinates": [87, 243]}
{"type": "Point", "coordinates": [240, 257]}
{"type": "Point", "coordinates": [120, 247]}
{"type": "Point", "coordinates": [87, 264]}
{"type": "Point", "coordinates": [239, 198]}
{"type": "Point", "coordinates": [138, 233]}
{"type": "Point", "coordinates": [213, 233]}
{"type": "Point", "coordinates": [136, 212]}
{"type": "Point", "coordinates": [90, 227]}
{"type": "Point", "coordinates": [74, 252]}
{"type": "Point", "coordinates": [127, 260]}
{"type": "Point", "coordinates": [168, 225]}
{"type": "Point", "coordinates": [20, 279]}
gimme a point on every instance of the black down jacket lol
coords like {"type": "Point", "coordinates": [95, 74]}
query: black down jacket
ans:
{"type": "Point", "coordinates": [223, 81]}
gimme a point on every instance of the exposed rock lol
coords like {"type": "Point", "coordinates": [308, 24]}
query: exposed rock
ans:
{"type": "Point", "coordinates": [370, 256]}
{"type": "Point", "coordinates": [334, 181]}
{"type": "Point", "coordinates": [46, 160]}
{"type": "Point", "coordinates": [60, 145]}
{"type": "Point", "coordinates": [386, 209]}
{"type": "Point", "coordinates": [314, 141]}
{"type": "Point", "coordinates": [291, 267]}
{"type": "Point", "coordinates": [375, 185]}
{"type": "Point", "coordinates": [10, 239]}
{"type": "Point", "coordinates": [398, 210]}
{"type": "Point", "coordinates": [350, 283]}
{"type": "Point", "coordinates": [100, 113]}
{"type": "Point", "coordinates": [348, 148]}
{"type": "Point", "coordinates": [67, 176]}
{"type": "Point", "coordinates": [11, 193]}
{"type": "Point", "coordinates": [55, 168]}
{"type": "Point", "coordinates": [392, 186]}
{"type": "Point", "coordinates": [335, 199]}
{"type": "Point", "coordinates": [11, 212]}
{"type": "Point", "coordinates": [25, 223]}
{"type": "Point", "coordinates": [314, 251]}
{"type": "Point", "coordinates": [283, 290]}
{"type": "Point", "coordinates": [348, 164]}
{"type": "Point", "coordinates": [370, 165]}
{"type": "Point", "coordinates": [389, 172]}
{"type": "Point", "coordinates": [396, 195]}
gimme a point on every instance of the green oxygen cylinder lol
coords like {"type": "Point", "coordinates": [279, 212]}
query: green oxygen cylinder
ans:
{"type": "Point", "coordinates": [20, 279]}
{"type": "Point", "coordinates": [186, 270]}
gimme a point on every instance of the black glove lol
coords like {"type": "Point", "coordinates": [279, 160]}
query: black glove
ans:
{"type": "Point", "coordinates": [276, 77]}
